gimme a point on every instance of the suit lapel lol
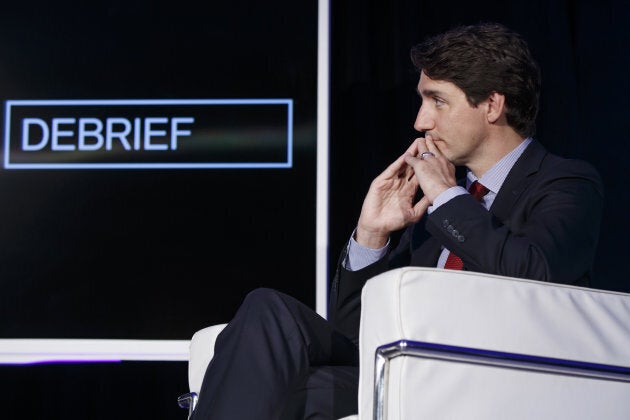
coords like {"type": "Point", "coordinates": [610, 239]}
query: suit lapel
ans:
{"type": "Point", "coordinates": [517, 181]}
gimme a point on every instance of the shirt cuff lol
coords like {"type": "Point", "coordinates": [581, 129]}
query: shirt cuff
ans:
{"type": "Point", "coordinates": [446, 196]}
{"type": "Point", "coordinates": [359, 256]}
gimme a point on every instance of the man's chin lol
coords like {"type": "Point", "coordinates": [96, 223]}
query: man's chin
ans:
{"type": "Point", "coordinates": [443, 149]}
{"type": "Point", "coordinates": [455, 160]}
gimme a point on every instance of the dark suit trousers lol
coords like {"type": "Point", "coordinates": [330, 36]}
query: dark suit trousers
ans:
{"type": "Point", "coordinates": [278, 359]}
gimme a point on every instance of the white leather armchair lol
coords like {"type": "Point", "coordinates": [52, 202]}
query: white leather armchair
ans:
{"type": "Point", "coordinates": [200, 353]}
{"type": "Point", "coordinates": [443, 344]}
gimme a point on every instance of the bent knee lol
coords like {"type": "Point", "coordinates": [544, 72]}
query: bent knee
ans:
{"type": "Point", "coordinates": [262, 299]}
{"type": "Point", "coordinates": [262, 293]}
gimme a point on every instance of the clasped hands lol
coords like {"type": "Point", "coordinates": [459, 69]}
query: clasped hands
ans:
{"type": "Point", "coordinates": [389, 204]}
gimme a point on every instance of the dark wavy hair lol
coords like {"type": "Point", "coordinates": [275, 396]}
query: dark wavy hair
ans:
{"type": "Point", "coordinates": [482, 59]}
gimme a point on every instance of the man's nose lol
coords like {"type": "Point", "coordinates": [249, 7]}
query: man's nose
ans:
{"type": "Point", "coordinates": [424, 121]}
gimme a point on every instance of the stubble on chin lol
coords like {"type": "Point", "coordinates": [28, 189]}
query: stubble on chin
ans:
{"type": "Point", "coordinates": [442, 147]}
{"type": "Point", "coordinates": [449, 154]}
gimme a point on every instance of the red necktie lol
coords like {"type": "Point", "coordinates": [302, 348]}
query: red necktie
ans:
{"type": "Point", "coordinates": [453, 262]}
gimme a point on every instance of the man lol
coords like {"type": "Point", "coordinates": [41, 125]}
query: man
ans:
{"type": "Point", "coordinates": [519, 212]}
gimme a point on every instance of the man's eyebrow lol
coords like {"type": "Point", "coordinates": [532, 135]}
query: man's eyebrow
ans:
{"type": "Point", "coordinates": [430, 92]}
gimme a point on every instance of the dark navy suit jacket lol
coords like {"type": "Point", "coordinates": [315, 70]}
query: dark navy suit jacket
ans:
{"type": "Point", "coordinates": [543, 225]}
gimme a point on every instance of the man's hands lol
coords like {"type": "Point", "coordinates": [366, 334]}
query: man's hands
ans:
{"type": "Point", "coordinates": [388, 205]}
{"type": "Point", "coordinates": [435, 173]}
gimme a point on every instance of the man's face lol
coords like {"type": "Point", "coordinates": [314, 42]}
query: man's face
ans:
{"type": "Point", "coordinates": [458, 128]}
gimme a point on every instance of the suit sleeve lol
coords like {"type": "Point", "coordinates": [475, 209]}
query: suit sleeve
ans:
{"type": "Point", "coordinates": [344, 309]}
{"type": "Point", "coordinates": [551, 234]}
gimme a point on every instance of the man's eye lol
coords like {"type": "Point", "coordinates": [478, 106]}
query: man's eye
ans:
{"type": "Point", "coordinates": [438, 101]}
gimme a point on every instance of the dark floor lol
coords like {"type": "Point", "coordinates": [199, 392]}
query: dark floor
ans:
{"type": "Point", "coordinates": [94, 391]}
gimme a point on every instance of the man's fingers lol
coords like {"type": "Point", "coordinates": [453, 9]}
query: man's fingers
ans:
{"type": "Point", "coordinates": [395, 168]}
{"type": "Point", "coordinates": [412, 161]}
{"type": "Point", "coordinates": [409, 172]}
{"type": "Point", "coordinates": [431, 147]}
{"type": "Point", "coordinates": [413, 148]}
{"type": "Point", "coordinates": [420, 208]}
{"type": "Point", "coordinates": [399, 166]}
{"type": "Point", "coordinates": [421, 145]}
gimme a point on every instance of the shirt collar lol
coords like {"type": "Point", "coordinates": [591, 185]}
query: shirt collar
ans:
{"type": "Point", "coordinates": [493, 179]}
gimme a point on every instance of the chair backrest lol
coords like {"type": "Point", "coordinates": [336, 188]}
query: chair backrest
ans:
{"type": "Point", "coordinates": [538, 322]}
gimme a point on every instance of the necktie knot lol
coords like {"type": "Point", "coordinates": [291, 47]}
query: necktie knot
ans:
{"type": "Point", "coordinates": [478, 190]}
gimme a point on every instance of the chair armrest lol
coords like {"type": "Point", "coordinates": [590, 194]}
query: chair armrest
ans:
{"type": "Point", "coordinates": [201, 352]}
{"type": "Point", "coordinates": [188, 401]}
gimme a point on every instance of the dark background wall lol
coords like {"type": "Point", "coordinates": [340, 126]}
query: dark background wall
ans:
{"type": "Point", "coordinates": [582, 47]}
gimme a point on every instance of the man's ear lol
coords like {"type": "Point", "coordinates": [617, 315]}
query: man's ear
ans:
{"type": "Point", "coordinates": [496, 107]}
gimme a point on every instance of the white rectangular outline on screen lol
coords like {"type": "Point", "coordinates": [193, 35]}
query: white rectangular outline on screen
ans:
{"type": "Point", "coordinates": [157, 165]}
{"type": "Point", "coordinates": [29, 351]}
